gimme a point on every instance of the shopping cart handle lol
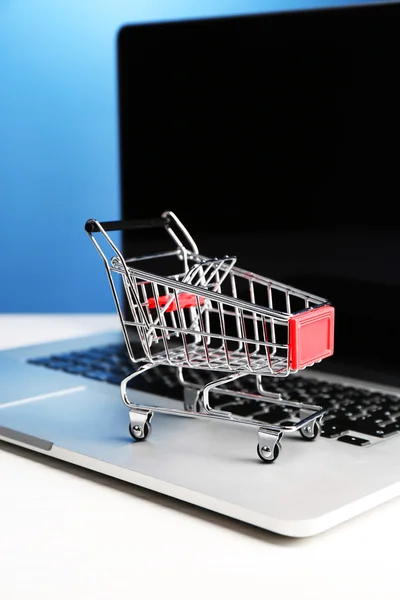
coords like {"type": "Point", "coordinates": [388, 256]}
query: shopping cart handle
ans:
{"type": "Point", "coordinates": [91, 225]}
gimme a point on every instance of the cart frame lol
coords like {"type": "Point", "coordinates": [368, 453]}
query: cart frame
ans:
{"type": "Point", "coordinates": [193, 313]}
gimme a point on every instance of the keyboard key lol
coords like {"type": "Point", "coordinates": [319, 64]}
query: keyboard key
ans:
{"type": "Point", "coordinates": [244, 409]}
{"type": "Point", "coordinates": [368, 425]}
{"type": "Point", "coordinates": [355, 441]}
{"type": "Point", "coordinates": [273, 415]}
{"type": "Point", "coordinates": [380, 415]}
{"type": "Point", "coordinates": [388, 430]}
{"type": "Point", "coordinates": [123, 371]}
{"type": "Point", "coordinates": [332, 428]}
{"type": "Point", "coordinates": [98, 375]}
{"type": "Point", "coordinates": [114, 379]}
{"type": "Point", "coordinates": [75, 369]}
{"type": "Point", "coordinates": [323, 400]}
{"type": "Point", "coordinates": [57, 364]}
{"type": "Point", "coordinates": [299, 395]}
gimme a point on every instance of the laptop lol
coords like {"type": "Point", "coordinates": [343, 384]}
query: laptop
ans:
{"type": "Point", "coordinates": [273, 138]}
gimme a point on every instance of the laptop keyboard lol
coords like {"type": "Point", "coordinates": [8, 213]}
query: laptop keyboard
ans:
{"type": "Point", "coordinates": [359, 411]}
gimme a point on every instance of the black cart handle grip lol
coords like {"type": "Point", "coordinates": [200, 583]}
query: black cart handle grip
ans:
{"type": "Point", "coordinates": [91, 225]}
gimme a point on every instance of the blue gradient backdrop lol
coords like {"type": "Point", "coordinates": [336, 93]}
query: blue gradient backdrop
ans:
{"type": "Point", "coordinates": [58, 139]}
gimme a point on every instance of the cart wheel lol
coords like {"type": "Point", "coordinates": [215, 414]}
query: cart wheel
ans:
{"type": "Point", "coordinates": [267, 457]}
{"type": "Point", "coordinates": [311, 431]}
{"type": "Point", "coordinates": [137, 433]}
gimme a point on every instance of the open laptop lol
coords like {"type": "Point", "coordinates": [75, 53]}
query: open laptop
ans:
{"type": "Point", "coordinates": [273, 138]}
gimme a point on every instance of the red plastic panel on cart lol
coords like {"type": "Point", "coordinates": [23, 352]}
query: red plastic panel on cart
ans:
{"type": "Point", "coordinates": [185, 300]}
{"type": "Point", "coordinates": [311, 336]}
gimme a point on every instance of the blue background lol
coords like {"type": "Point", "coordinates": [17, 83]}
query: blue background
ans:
{"type": "Point", "coordinates": [58, 139]}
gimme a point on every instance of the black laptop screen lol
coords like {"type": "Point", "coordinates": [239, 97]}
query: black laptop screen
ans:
{"type": "Point", "coordinates": [275, 138]}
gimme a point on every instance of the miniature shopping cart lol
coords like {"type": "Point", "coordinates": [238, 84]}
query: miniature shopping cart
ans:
{"type": "Point", "coordinates": [211, 315]}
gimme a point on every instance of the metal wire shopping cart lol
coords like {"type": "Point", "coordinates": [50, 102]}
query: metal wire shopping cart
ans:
{"type": "Point", "coordinates": [212, 315]}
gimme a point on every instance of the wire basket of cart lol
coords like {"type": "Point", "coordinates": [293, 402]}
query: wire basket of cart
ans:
{"type": "Point", "coordinates": [211, 315]}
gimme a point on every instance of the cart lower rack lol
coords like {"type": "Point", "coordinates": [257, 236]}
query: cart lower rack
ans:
{"type": "Point", "coordinates": [211, 315]}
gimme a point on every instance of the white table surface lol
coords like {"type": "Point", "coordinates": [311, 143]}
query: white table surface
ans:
{"type": "Point", "coordinates": [69, 533]}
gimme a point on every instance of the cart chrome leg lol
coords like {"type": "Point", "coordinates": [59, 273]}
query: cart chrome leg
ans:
{"type": "Point", "coordinates": [215, 384]}
{"type": "Point", "coordinates": [268, 448]}
{"type": "Point", "coordinates": [192, 400]}
{"type": "Point", "coordinates": [139, 416]}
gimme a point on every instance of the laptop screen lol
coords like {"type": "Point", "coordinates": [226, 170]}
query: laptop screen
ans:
{"type": "Point", "coordinates": [275, 138]}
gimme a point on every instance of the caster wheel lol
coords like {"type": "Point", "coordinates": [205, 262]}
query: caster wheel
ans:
{"type": "Point", "coordinates": [311, 432]}
{"type": "Point", "coordinates": [138, 434]}
{"type": "Point", "coordinates": [269, 458]}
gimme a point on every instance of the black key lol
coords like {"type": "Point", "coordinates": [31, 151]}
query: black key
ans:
{"type": "Point", "coordinates": [117, 359]}
{"type": "Point", "coordinates": [336, 387]}
{"type": "Point", "coordinates": [357, 406]}
{"type": "Point", "coordinates": [374, 398]}
{"type": "Point", "coordinates": [123, 371]}
{"type": "Point", "coordinates": [103, 365]}
{"type": "Point", "coordinates": [392, 398]}
{"type": "Point", "coordinates": [287, 384]}
{"type": "Point", "coordinates": [224, 406]}
{"type": "Point", "coordinates": [239, 385]}
{"type": "Point", "coordinates": [63, 356]}
{"type": "Point", "coordinates": [148, 376]}
{"type": "Point", "coordinates": [355, 441]}
{"type": "Point", "coordinates": [380, 415]}
{"type": "Point", "coordinates": [75, 369]}
{"type": "Point", "coordinates": [94, 360]}
{"type": "Point", "coordinates": [99, 375]}
{"type": "Point", "coordinates": [84, 360]}
{"type": "Point", "coordinates": [310, 380]}
{"type": "Point", "coordinates": [278, 409]}
{"type": "Point", "coordinates": [56, 364]}
{"type": "Point", "coordinates": [244, 409]}
{"type": "Point", "coordinates": [266, 418]}
{"type": "Point", "coordinates": [218, 401]}
{"type": "Point", "coordinates": [334, 427]}
{"type": "Point", "coordinates": [325, 388]}
{"type": "Point", "coordinates": [348, 389]}
{"type": "Point", "coordinates": [365, 421]}
{"type": "Point", "coordinates": [349, 393]}
{"type": "Point", "coordinates": [169, 381]}
{"type": "Point", "coordinates": [370, 427]}
{"type": "Point", "coordinates": [39, 361]}
{"type": "Point", "coordinates": [114, 379]}
{"type": "Point", "coordinates": [299, 395]}
{"type": "Point", "coordinates": [273, 417]}
{"type": "Point", "coordinates": [323, 400]}
{"type": "Point", "coordinates": [298, 381]}
{"type": "Point", "coordinates": [387, 430]}
{"type": "Point", "coordinates": [354, 416]}
{"type": "Point", "coordinates": [390, 404]}
{"type": "Point", "coordinates": [391, 428]}
{"type": "Point", "coordinates": [347, 411]}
